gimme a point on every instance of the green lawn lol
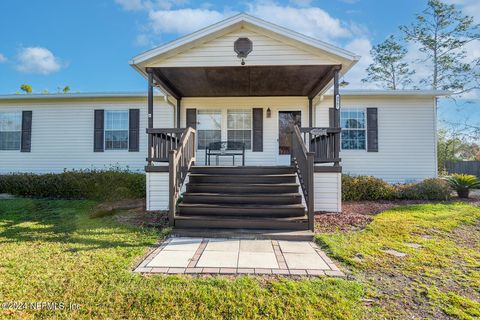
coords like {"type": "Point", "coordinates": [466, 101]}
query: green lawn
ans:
{"type": "Point", "coordinates": [440, 279]}
{"type": "Point", "coordinates": [53, 251]}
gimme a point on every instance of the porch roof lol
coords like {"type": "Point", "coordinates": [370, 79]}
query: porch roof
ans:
{"type": "Point", "coordinates": [282, 62]}
{"type": "Point", "coordinates": [228, 81]}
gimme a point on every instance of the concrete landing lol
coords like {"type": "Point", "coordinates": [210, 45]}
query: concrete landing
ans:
{"type": "Point", "coordinates": [189, 255]}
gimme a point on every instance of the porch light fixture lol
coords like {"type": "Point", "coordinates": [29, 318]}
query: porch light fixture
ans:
{"type": "Point", "coordinates": [269, 113]}
{"type": "Point", "coordinates": [242, 47]}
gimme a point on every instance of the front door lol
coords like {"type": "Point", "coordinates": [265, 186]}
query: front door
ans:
{"type": "Point", "coordinates": [286, 121]}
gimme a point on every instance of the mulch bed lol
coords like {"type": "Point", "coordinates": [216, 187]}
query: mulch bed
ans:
{"type": "Point", "coordinates": [357, 214]}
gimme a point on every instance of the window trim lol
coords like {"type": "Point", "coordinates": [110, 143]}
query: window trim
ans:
{"type": "Point", "coordinates": [19, 131]}
{"type": "Point", "coordinates": [251, 125]}
{"type": "Point", "coordinates": [353, 108]}
{"type": "Point", "coordinates": [105, 131]}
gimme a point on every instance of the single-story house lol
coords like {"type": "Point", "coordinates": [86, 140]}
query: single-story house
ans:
{"type": "Point", "coordinates": [248, 126]}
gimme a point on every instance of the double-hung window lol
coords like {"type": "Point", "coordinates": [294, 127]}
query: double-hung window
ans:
{"type": "Point", "coordinates": [10, 130]}
{"type": "Point", "coordinates": [209, 127]}
{"type": "Point", "coordinates": [116, 130]}
{"type": "Point", "coordinates": [353, 124]}
{"type": "Point", "coordinates": [239, 127]}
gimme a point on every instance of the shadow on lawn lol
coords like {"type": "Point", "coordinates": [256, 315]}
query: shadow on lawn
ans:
{"type": "Point", "coordinates": [62, 221]}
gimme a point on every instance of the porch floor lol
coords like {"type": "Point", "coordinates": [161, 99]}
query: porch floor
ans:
{"type": "Point", "coordinates": [185, 255]}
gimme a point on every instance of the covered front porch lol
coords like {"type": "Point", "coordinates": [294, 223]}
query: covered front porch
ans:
{"type": "Point", "coordinates": [262, 117]}
{"type": "Point", "coordinates": [250, 88]}
{"type": "Point", "coordinates": [274, 130]}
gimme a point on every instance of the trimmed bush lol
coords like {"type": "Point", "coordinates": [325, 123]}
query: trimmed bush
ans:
{"type": "Point", "coordinates": [364, 188]}
{"type": "Point", "coordinates": [88, 184]}
{"type": "Point", "coordinates": [358, 188]}
{"type": "Point", "coordinates": [428, 189]}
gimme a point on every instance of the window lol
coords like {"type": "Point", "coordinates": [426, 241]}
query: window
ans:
{"type": "Point", "coordinates": [239, 126]}
{"type": "Point", "coordinates": [116, 130]}
{"type": "Point", "coordinates": [10, 130]}
{"type": "Point", "coordinates": [353, 129]}
{"type": "Point", "coordinates": [209, 127]}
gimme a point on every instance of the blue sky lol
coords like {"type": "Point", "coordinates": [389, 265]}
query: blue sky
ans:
{"type": "Point", "coordinates": [87, 44]}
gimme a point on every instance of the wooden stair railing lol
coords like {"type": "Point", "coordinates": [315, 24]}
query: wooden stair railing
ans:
{"type": "Point", "coordinates": [161, 142]}
{"type": "Point", "coordinates": [180, 160]}
{"type": "Point", "coordinates": [303, 162]}
{"type": "Point", "coordinates": [324, 143]}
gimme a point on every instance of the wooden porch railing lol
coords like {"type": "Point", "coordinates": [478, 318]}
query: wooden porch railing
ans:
{"type": "Point", "coordinates": [162, 141]}
{"type": "Point", "coordinates": [303, 161]}
{"type": "Point", "coordinates": [324, 143]}
{"type": "Point", "coordinates": [180, 160]}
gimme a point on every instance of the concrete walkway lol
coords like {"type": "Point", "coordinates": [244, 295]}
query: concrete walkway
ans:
{"type": "Point", "coordinates": [238, 256]}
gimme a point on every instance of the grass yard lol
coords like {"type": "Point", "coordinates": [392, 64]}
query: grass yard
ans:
{"type": "Point", "coordinates": [54, 251]}
{"type": "Point", "coordinates": [439, 278]}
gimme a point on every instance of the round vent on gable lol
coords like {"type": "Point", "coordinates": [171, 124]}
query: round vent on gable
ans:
{"type": "Point", "coordinates": [243, 46]}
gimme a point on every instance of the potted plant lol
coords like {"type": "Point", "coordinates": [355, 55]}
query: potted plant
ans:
{"type": "Point", "coordinates": [462, 183]}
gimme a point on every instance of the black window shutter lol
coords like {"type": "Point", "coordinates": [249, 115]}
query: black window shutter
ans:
{"type": "Point", "coordinates": [331, 117]}
{"type": "Point", "coordinates": [257, 143]}
{"type": "Point", "coordinates": [98, 131]}
{"type": "Point", "coordinates": [192, 118]}
{"type": "Point", "coordinates": [134, 130]}
{"type": "Point", "coordinates": [372, 130]}
{"type": "Point", "coordinates": [26, 143]}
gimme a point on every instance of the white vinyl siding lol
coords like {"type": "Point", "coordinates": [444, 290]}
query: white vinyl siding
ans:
{"type": "Point", "coordinates": [62, 136]}
{"type": "Point", "coordinates": [10, 130]}
{"type": "Point", "coordinates": [266, 51]}
{"type": "Point", "coordinates": [270, 125]}
{"type": "Point", "coordinates": [328, 191]}
{"type": "Point", "coordinates": [406, 138]}
{"type": "Point", "coordinates": [157, 191]}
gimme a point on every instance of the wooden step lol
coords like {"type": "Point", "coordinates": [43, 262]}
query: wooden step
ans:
{"type": "Point", "coordinates": [252, 170]}
{"type": "Point", "coordinates": [242, 188]}
{"type": "Point", "coordinates": [242, 210]}
{"type": "Point", "coordinates": [288, 235]}
{"type": "Point", "coordinates": [254, 198]}
{"type": "Point", "coordinates": [246, 178]}
{"type": "Point", "coordinates": [270, 223]}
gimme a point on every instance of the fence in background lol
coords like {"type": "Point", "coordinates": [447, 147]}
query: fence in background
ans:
{"type": "Point", "coordinates": [467, 167]}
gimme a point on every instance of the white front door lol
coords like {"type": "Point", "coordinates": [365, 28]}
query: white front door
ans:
{"type": "Point", "coordinates": [286, 121]}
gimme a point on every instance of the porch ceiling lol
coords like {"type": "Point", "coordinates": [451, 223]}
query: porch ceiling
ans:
{"type": "Point", "coordinates": [289, 80]}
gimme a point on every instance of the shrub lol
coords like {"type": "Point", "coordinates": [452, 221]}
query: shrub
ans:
{"type": "Point", "coordinates": [462, 183]}
{"type": "Point", "coordinates": [88, 184]}
{"type": "Point", "coordinates": [428, 189]}
{"type": "Point", "coordinates": [363, 188]}
{"type": "Point", "coordinates": [357, 188]}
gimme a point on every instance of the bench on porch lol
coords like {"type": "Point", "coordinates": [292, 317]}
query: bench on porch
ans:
{"type": "Point", "coordinates": [225, 149]}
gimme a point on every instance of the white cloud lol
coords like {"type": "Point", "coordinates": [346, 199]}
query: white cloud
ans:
{"type": "Point", "coordinates": [131, 5]}
{"type": "Point", "coordinates": [301, 3]}
{"type": "Point", "coordinates": [37, 60]}
{"type": "Point", "coordinates": [3, 58]}
{"type": "Point", "coordinates": [311, 21]}
{"type": "Point", "coordinates": [362, 47]}
{"type": "Point", "coordinates": [469, 7]}
{"type": "Point", "coordinates": [183, 21]}
{"type": "Point", "coordinates": [142, 40]}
